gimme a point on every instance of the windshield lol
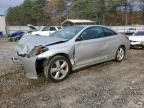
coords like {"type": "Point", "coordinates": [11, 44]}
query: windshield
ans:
{"type": "Point", "coordinates": [139, 34]}
{"type": "Point", "coordinates": [67, 33]}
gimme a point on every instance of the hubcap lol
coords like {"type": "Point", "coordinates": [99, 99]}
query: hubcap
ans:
{"type": "Point", "coordinates": [59, 69]}
{"type": "Point", "coordinates": [120, 54]}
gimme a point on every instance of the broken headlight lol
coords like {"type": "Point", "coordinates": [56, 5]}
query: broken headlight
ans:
{"type": "Point", "coordinates": [37, 50]}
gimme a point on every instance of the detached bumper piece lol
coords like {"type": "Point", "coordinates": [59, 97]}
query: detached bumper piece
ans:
{"type": "Point", "coordinates": [29, 65]}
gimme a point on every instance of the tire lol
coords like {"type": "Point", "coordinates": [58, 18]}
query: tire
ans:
{"type": "Point", "coordinates": [120, 54]}
{"type": "Point", "coordinates": [15, 39]}
{"type": "Point", "coordinates": [131, 47]}
{"type": "Point", "coordinates": [57, 69]}
{"type": "Point", "coordinates": [12, 40]}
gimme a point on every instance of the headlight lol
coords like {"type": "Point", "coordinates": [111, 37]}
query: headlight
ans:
{"type": "Point", "coordinates": [37, 50]}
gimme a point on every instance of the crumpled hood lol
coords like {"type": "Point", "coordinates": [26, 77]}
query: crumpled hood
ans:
{"type": "Point", "coordinates": [136, 38]}
{"type": "Point", "coordinates": [28, 42]}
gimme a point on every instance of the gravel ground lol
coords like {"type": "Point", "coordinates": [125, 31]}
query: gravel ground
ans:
{"type": "Point", "coordinates": [106, 85]}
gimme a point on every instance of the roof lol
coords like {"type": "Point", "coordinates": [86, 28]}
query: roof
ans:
{"type": "Point", "coordinates": [90, 26]}
{"type": "Point", "coordinates": [78, 21]}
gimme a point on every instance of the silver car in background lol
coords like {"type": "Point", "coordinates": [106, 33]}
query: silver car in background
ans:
{"type": "Point", "coordinates": [69, 49]}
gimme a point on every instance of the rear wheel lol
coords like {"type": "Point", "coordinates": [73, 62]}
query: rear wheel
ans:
{"type": "Point", "coordinates": [57, 69]}
{"type": "Point", "coordinates": [120, 54]}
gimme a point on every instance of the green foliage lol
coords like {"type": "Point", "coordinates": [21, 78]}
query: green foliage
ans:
{"type": "Point", "coordinates": [30, 12]}
{"type": "Point", "coordinates": [34, 11]}
{"type": "Point", "coordinates": [60, 6]}
{"type": "Point", "coordinates": [95, 9]}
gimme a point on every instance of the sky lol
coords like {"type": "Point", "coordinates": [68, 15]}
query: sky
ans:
{"type": "Point", "coordinates": [5, 4]}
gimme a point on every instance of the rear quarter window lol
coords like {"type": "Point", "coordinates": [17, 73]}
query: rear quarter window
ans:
{"type": "Point", "coordinates": [109, 32]}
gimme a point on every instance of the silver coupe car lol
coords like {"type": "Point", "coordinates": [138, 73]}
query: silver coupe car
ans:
{"type": "Point", "coordinates": [69, 49]}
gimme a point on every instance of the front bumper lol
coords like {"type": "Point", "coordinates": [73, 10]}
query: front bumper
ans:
{"type": "Point", "coordinates": [29, 65]}
{"type": "Point", "coordinates": [137, 43]}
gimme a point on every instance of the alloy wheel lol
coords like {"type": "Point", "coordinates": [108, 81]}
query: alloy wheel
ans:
{"type": "Point", "coordinates": [59, 69]}
{"type": "Point", "coordinates": [120, 54]}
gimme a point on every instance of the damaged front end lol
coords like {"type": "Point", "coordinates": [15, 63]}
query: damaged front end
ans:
{"type": "Point", "coordinates": [29, 61]}
{"type": "Point", "coordinates": [30, 48]}
{"type": "Point", "coordinates": [29, 65]}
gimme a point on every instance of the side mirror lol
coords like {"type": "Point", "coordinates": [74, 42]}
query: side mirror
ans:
{"type": "Point", "coordinates": [79, 38]}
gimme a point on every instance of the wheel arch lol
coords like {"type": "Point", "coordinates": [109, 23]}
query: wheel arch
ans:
{"type": "Point", "coordinates": [122, 46]}
{"type": "Point", "coordinates": [65, 55]}
{"type": "Point", "coordinates": [61, 54]}
{"type": "Point", "coordinates": [119, 47]}
{"type": "Point", "coordinates": [40, 63]}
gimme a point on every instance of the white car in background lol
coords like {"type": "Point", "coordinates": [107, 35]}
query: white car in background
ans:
{"type": "Point", "coordinates": [137, 39]}
{"type": "Point", "coordinates": [131, 30]}
{"type": "Point", "coordinates": [45, 31]}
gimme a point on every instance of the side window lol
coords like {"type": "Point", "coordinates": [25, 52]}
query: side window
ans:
{"type": "Point", "coordinates": [45, 29]}
{"type": "Point", "coordinates": [109, 32]}
{"type": "Point", "coordinates": [59, 27]}
{"type": "Point", "coordinates": [52, 29]}
{"type": "Point", "coordinates": [92, 33]}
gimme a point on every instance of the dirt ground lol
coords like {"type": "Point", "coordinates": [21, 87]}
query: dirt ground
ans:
{"type": "Point", "coordinates": [106, 85]}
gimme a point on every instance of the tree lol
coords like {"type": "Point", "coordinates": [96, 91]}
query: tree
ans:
{"type": "Point", "coordinates": [61, 10]}
{"type": "Point", "coordinates": [52, 12]}
{"type": "Point", "coordinates": [30, 12]}
{"type": "Point", "coordinates": [50, 8]}
{"type": "Point", "coordinates": [142, 10]}
{"type": "Point", "coordinates": [95, 9]}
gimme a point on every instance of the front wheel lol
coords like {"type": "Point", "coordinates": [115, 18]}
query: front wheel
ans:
{"type": "Point", "coordinates": [57, 69]}
{"type": "Point", "coordinates": [120, 54]}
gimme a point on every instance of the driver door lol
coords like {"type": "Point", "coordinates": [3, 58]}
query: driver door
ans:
{"type": "Point", "coordinates": [91, 48]}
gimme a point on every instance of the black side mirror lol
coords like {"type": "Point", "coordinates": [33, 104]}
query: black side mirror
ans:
{"type": "Point", "coordinates": [79, 38]}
